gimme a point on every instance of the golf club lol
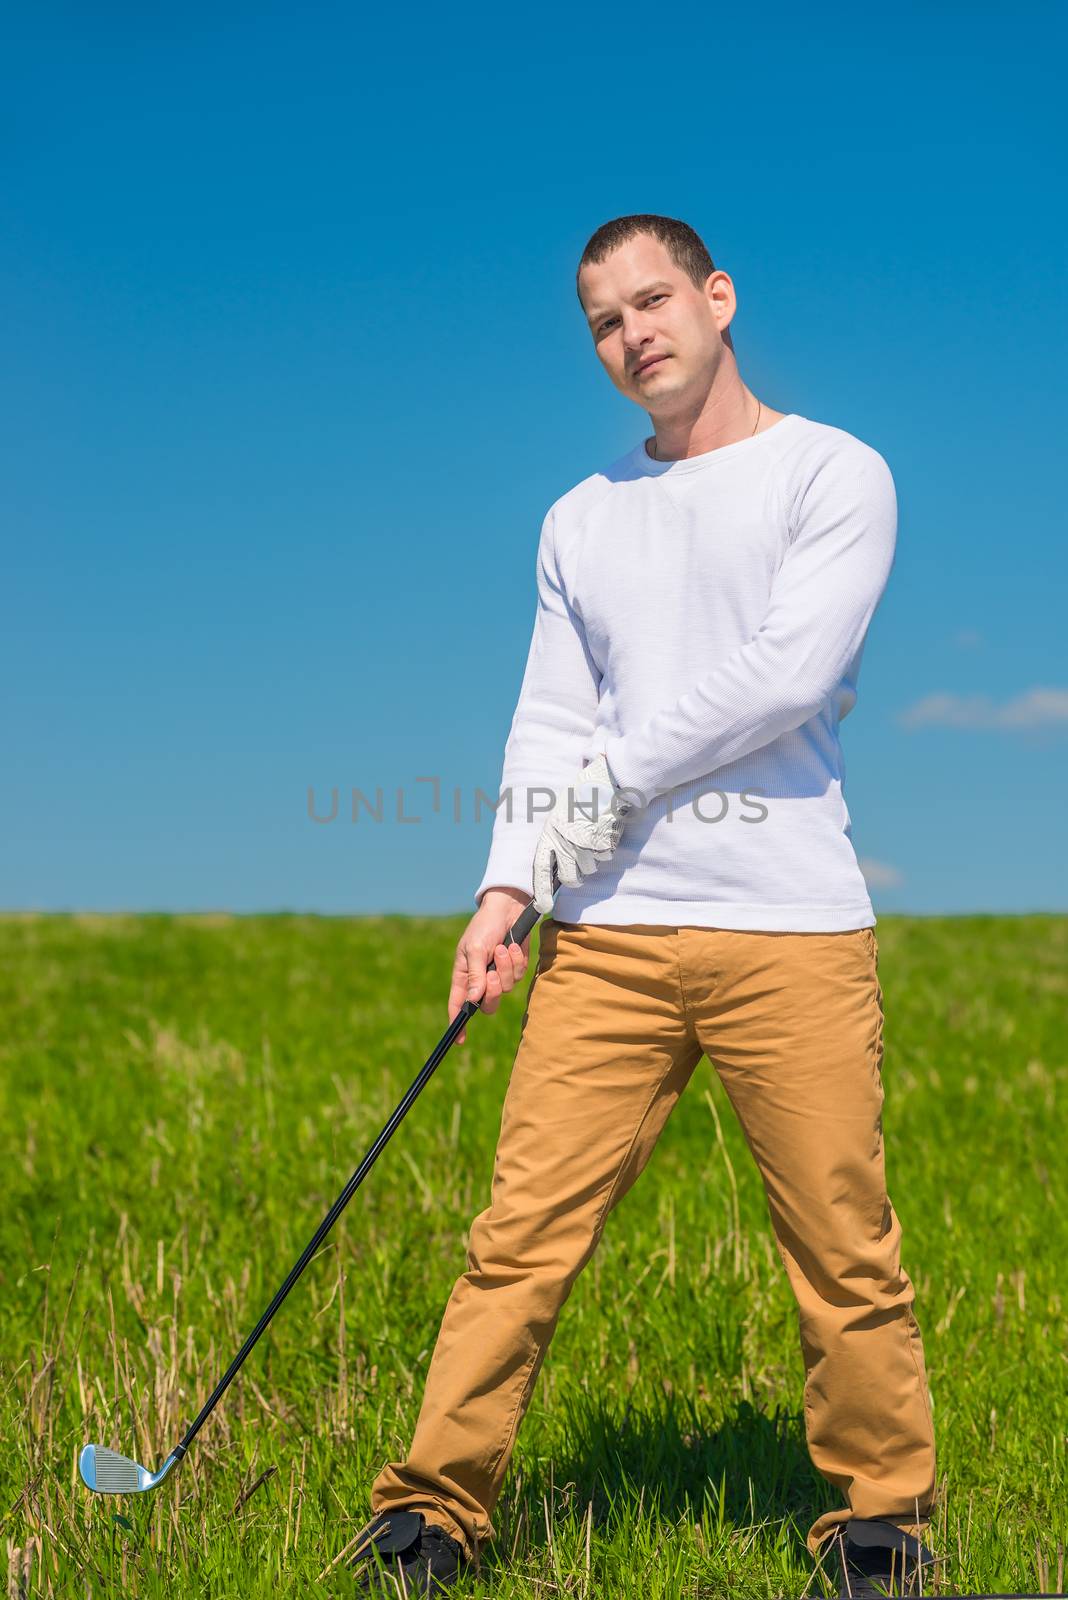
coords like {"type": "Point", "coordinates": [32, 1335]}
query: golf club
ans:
{"type": "Point", "coordinates": [107, 1472]}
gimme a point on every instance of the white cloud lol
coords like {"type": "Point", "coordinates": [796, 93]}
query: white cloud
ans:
{"type": "Point", "coordinates": [1037, 708]}
{"type": "Point", "coordinates": [880, 874]}
{"type": "Point", "coordinates": [967, 638]}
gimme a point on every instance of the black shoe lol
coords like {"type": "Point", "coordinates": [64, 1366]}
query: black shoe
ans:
{"type": "Point", "coordinates": [417, 1558]}
{"type": "Point", "coordinates": [878, 1558]}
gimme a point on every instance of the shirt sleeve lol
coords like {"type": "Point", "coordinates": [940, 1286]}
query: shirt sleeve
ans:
{"type": "Point", "coordinates": [822, 599]}
{"type": "Point", "coordinates": [551, 728]}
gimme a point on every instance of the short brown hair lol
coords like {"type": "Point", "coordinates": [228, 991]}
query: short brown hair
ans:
{"type": "Point", "coordinates": [685, 247]}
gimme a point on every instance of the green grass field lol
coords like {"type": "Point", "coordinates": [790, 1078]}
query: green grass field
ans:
{"type": "Point", "coordinates": [183, 1099]}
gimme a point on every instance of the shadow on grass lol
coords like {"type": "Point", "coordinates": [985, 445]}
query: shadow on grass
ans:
{"type": "Point", "coordinates": [747, 1468]}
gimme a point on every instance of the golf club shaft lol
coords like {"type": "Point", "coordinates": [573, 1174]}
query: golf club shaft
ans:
{"type": "Point", "coordinates": [515, 935]}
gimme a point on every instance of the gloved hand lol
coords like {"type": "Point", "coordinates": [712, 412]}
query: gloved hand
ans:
{"type": "Point", "coordinates": [580, 832]}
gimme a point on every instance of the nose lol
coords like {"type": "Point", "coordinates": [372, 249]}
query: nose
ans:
{"type": "Point", "coordinates": [636, 334]}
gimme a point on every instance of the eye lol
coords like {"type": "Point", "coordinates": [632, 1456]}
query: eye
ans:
{"type": "Point", "coordinates": [648, 301]}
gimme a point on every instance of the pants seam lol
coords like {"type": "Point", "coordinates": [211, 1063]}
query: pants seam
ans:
{"type": "Point", "coordinates": [528, 1372]}
{"type": "Point", "coordinates": [682, 981]}
{"type": "Point", "coordinates": [910, 1319]}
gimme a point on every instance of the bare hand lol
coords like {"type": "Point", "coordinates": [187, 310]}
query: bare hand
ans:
{"type": "Point", "coordinates": [483, 941]}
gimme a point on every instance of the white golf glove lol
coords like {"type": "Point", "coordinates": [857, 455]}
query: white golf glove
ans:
{"type": "Point", "coordinates": [580, 832]}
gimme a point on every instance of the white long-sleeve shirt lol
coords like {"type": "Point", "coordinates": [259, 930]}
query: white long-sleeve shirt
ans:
{"type": "Point", "coordinates": [702, 623]}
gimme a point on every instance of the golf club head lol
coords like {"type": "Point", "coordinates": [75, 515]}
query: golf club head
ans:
{"type": "Point", "coordinates": [106, 1472]}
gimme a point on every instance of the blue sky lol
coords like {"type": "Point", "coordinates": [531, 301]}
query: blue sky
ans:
{"type": "Point", "coordinates": [294, 367]}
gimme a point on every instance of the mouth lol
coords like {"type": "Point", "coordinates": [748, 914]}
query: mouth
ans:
{"type": "Point", "coordinates": [654, 361]}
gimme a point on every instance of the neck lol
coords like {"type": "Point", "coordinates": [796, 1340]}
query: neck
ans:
{"type": "Point", "coordinates": [728, 414]}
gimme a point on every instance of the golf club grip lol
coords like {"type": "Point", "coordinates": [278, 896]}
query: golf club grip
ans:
{"type": "Point", "coordinates": [521, 927]}
{"type": "Point", "coordinates": [519, 930]}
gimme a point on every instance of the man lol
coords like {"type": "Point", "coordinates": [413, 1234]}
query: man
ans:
{"type": "Point", "coordinates": [702, 609]}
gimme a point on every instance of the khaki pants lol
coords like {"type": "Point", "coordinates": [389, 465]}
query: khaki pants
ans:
{"type": "Point", "coordinates": [616, 1020]}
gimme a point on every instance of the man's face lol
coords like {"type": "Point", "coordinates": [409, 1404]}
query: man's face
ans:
{"type": "Point", "coordinates": [640, 306]}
